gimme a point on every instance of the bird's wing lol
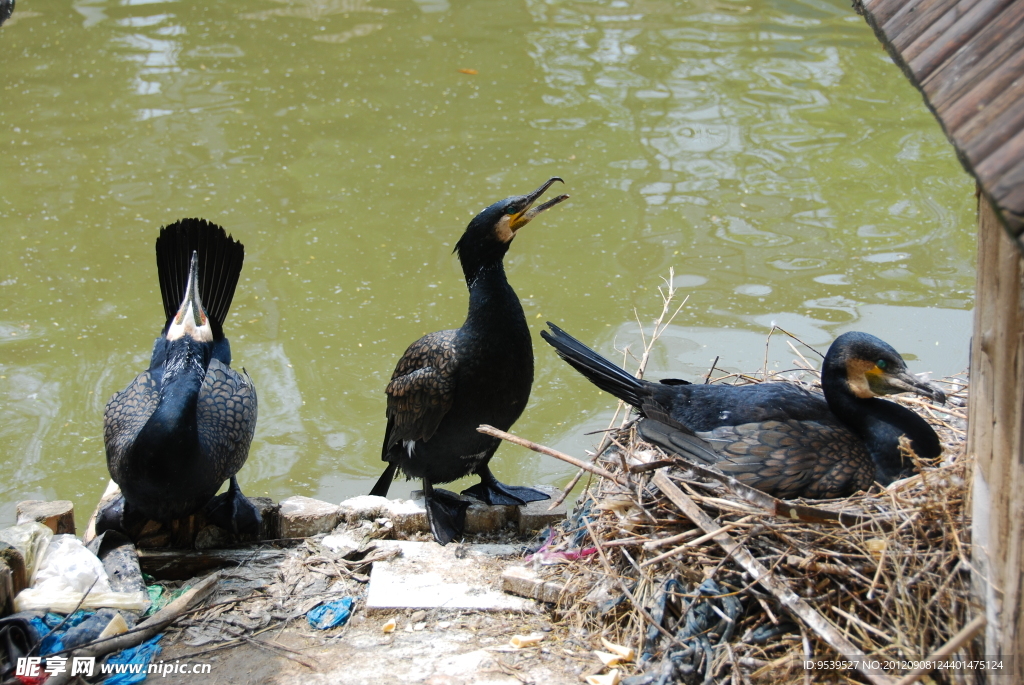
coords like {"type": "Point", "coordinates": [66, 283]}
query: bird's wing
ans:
{"type": "Point", "coordinates": [125, 415]}
{"type": "Point", "coordinates": [787, 459]}
{"type": "Point", "coordinates": [814, 459]}
{"type": "Point", "coordinates": [422, 388]}
{"type": "Point", "coordinates": [226, 416]}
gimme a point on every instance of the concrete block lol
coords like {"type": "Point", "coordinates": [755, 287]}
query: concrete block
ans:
{"type": "Point", "coordinates": [455, 576]}
{"type": "Point", "coordinates": [408, 516]}
{"type": "Point", "coordinates": [525, 582]}
{"type": "Point", "coordinates": [534, 516]}
{"type": "Point", "coordinates": [303, 517]}
{"type": "Point", "coordinates": [364, 508]}
{"type": "Point", "coordinates": [270, 527]}
{"type": "Point", "coordinates": [480, 517]}
{"type": "Point", "coordinates": [58, 516]}
{"type": "Point", "coordinates": [483, 518]}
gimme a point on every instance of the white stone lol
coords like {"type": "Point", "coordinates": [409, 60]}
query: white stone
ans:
{"type": "Point", "coordinates": [364, 507]}
{"type": "Point", "coordinates": [303, 517]}
{"type": "Point", "coordinates": [342, 542]}
{"type": "Point", "coordinates": [427, 575]}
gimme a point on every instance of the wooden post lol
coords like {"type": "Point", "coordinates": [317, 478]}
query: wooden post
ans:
{"type": "Point", "coordinates": [58, 516]}
{"type": "Point", "coordinates": [995, 436]}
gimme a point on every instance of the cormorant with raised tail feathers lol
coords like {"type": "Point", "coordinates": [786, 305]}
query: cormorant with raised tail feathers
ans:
{"type": "Point", "coordinates": [779, 437]}
{"type": "Point", "coordinates": [448, 383]}
{"type": "Point", "coordinates": [183, 426]}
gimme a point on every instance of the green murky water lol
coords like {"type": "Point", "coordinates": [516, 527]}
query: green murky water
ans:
{"type": "Point", "coordinates": [769, 152]}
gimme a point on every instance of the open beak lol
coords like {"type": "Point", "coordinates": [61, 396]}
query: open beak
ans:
{"type": "Point", "coordinates": [907, 382]}
{"type": "Point", "coordinates": [525, 215]}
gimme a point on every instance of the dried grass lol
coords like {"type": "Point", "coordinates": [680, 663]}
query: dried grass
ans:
{"type": "Point", "coordinates": [891, 584]}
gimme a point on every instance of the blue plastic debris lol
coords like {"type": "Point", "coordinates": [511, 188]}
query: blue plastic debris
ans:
{"type": "Point", "coordinates": [330, 614]}
{"type": "Point", "coordinates": [136, 657]}
{"type": "Point", "coordinates": [50, 627]}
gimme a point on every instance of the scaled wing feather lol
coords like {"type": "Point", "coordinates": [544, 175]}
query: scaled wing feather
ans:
{"type": "Point", "coordinates": [422, 388]}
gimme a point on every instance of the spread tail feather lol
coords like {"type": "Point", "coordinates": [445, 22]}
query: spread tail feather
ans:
{"type": "Point", "coordinates": [598, 370]}
{"type": "Point", "coordinates": [220, 263]}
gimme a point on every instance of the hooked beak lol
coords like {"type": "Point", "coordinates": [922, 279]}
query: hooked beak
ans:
{"type": "Point", "coordinates": [526, 214]}
{"type": "Point", "coordinates": [907, 382]}
{"type": "Point", "coordinates": [191, 318]}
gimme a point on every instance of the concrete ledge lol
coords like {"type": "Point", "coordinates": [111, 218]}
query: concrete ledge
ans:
{"type": "Point", "coordinates": [534, 516]}
{"type": "Point", "coordinates": [409, 515]}
{"type": "Point", "coordinates": [484, 518]}
{"type": "Point", "coordinates": [427, 576]}
{"type": "Point", "coordinates": [364, 508]}
{"type": "Point", "coordinates": [303, 517]}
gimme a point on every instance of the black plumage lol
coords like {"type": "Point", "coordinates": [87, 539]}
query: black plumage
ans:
{"type": "Point", "coordinates": [6, 10]}
{"type": "Point", "coordinates": [184, 425]}
{"type": "Point", "coordinates": [448, 383]}
{"type": "Point", "coordinates": [779, 437]}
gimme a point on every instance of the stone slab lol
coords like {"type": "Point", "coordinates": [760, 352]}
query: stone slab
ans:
{"type": "Point", "coordinates": [364, 508]}
{"type": "Point", "coordinates": [525, 582]}
{"type": "Point", "coordinates": [484, 518]}
{"type": "Point", "coordinates": [303, 517]}
{"type": "Point", "coordinates": [408, 516]}
{"type": "Point", "coordinates": [427, 576]}
{"type": "Point", "coordinates": [534, 516]}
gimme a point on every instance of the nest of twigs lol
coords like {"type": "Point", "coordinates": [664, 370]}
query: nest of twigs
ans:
{"type": "Point", "coordinates": [718, 583]}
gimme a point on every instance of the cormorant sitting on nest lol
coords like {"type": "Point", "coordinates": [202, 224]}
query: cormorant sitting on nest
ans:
{"type": "Point", "coordinates": [448, 383]}
{"type": "Point", "coordinates": [184, 425]}
{"type": "Point", "coordinates": [778, 437]}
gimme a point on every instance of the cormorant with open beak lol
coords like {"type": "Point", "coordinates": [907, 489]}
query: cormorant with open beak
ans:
{"type": "Point", "coordinates": [448, 383]}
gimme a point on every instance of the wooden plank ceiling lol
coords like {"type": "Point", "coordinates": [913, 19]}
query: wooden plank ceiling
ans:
{"type": "Point", "coordinates": [967, 58]}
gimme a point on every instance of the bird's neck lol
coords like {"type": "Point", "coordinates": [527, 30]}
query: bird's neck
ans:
{"type": "Point", "coordinates": [874, 420]}
{"type": "Point", "coordinates": [492, 302]}
{"type": "Point", "coordinates": [183, 374]}
{"type": "Point", "coordinates": [856, 412]}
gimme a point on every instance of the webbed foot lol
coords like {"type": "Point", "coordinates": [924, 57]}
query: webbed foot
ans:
{"type": "Point", "coordinates": [109, 516]}
{"type": "Point", "coordinates": [118, 515]}
{"type": "Point", "coordinates": [446, 513]}
{"type": "Point", "coordinates": [233, 511]}
{"type": "Point", "coordinates": [491, 491]}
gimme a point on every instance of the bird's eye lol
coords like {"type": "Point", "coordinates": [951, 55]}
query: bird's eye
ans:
{"type": "Point", "coordinates": [881, 364]}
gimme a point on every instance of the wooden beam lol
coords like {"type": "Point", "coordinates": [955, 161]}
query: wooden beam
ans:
{"type": "Point", "coordinates": [995, 437]}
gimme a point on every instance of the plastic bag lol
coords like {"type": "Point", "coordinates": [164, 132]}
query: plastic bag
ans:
{"type": "Point", "coordinates": [31, 539]}
{"type": "Point", "coordinates": [67, 570]}
{"type": "Point", "coordinates": [330, 614]}
{"type": "Point", "coordinates": [65, 601]}
{"type": "Point", "coordinates": [140, 655]}
{"type": "Point", "coordinates": [68, 565]}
